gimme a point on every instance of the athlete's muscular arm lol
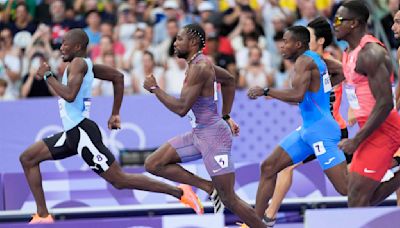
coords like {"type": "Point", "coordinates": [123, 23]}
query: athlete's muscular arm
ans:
{"type": "Point", "coordinates": [197, 77]}
{"type": "Point", "coordinates": [117, 78]}
{"type": "Point", "coordinates": [227, 81]}
{"type": "Point", "coordinates": [374, 62]}
{"type": "Point", "coordinates": [76, 71]}
{"type": "Point", "coordinates": [228, 84]}
{"type": "Point", "coordinates": [335, 69]}
{"type": "Point", "coordinates": [300, 84]}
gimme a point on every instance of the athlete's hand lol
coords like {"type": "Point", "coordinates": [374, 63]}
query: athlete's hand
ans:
{"type": "Point", "coordinates": [351, 118]}
{"type": "Point", "coordinates": [349, 146]}
{"type": "Point", "coordinates": [114, 122]}
{"type": "Point", "coordinates": [44, 67]}
{"type": "Point", "coordinates": [150, 83]}
{"type": "Point", "coordinates": [255, 92]}
{"type": "Point", "coordinates": [234, 126]}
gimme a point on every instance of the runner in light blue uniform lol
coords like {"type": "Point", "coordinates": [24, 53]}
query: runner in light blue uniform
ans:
{"type": "Point", "coordinates": [319, 133]}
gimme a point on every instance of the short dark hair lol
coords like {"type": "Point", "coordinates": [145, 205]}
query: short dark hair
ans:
{"type": "Point", "coordinates": [358, 8]}
{"type": "Point", "coordinates": [195, 31]}
{"type": "Point", "coordinates": [78, 36]}
{"type": "Point", "coordinates": [300, 33]}
{"type": "Point", "coordinates": [322, 29]}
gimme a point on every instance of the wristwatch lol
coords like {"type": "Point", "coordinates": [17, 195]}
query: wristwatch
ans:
{"type": "Point", "coordinates": [48, 74]}
{"type": "Point", "coordinates": [226, 117]}
{"type": "Point", "coordinates": [266, 90]}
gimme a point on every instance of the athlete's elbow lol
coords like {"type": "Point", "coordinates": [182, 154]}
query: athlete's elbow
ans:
{"type": "Point", "coordinates": [182, 112]}
{"type": "Point", "coordinates": [69, 98]}
{"type": "Point", "coordinates": [388, 106]}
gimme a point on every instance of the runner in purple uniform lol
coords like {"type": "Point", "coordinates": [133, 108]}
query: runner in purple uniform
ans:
{"type": "Point", "coordinates": [211, 137]}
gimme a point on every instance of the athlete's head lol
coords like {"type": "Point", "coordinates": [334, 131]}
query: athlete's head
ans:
{"type": "Point", "coordinates": [190, 38]}
{"type": "Point", "coordinates": [295, 41]}
{"type": "Point", "coordinates": [396, 25]}
{"type": "Point", "coordinates": [320, 34]}
{"type": "Point", "coordinates": [351, 16]}
{"type": "Point", "coordinates": [74, 44]}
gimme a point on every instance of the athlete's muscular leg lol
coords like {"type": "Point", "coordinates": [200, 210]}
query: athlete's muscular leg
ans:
{"type": "Point", "coordinates": [338, 177]}
{"type": "Point", "coordinates": [361, 190]}
{"type": "Point", "coordinates": [30, 161]}
{"type": "Point", "coordinates": [225, 187]}
{"type": "Point", "coordinates": [121, 180]}
{"type": "Point", "coordinates": [386, 189]}
{"type": "Point", "coordinates": [283, 183]}
{"type": "Point", "coordinates": [276, 162]}
{"type": "Point", "coordinates": [163, 163]}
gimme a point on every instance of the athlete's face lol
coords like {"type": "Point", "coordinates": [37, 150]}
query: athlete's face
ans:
{"type": "Point", "coordinates": [396, 25]}
{"type": "Point", "coordinates": [181, 45]}
{"type": "Point", "coordinates": [289, 47]}
{"type": "Point", "coordinates": [313, 40]}
{"type": "Point", "coordinates": [68, 49]}
{"type": "Point", "coordinates": [343, 23]}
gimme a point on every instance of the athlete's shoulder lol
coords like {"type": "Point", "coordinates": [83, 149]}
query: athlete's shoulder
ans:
{"type": "Point", "coordinates": [78, 65]}
{"type": "Point", "coordinates": [305, 61]}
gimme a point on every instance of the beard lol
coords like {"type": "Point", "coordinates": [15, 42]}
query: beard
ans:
{"type": "Point", "coordinates": [181, 54]}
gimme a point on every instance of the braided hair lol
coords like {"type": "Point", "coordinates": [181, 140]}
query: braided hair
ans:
{"type": "Point", "coordinates": [195, 31]}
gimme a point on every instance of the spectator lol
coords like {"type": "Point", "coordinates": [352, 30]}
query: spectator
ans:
{"type": "Point", "coordinates": [207, 12]}
{"type": "Point", "coordinates": [246, 26]}
{"type": "Point", "coordinates": [133, 56]}
{"type": "Point", "coordinates": [107, 45]}
{"type": "Point", "coordinates": [242, 56]}
{"type": "Point", "coordinates": [59, 24]}
{"type": "Point", "coordinates": [307, 11]}
{"type": "Point", "coordinates": [105, 88]}
{"type": "Point", "coordinates": [171, 9]}
{"type": "Point", "coordinates": [175, 75]}
{"type": "Point", "coordinates": [387, 22]}
{"type": "Point", "coordinates": [92, 30]}
{"type": "Point", "coordinates": [126, 25]}
{"type": "Point", "coordinates": [224, 44]}
{"type": "Point", "coordinates": [232, 16]}
{"type": "Point", "coordinates": [148, 68]}
{"type": "Point", "coordinates": [254, 74]}
{"type": "Point", "coordinates": [31, 86]}
{"type": "Point", "coordinates": [221, 59]}
{"type": "Point", "coordinates": [163, 47]}
{"type": "Point", "coordinates": [10, 63]}
{"type": "Point", "coordinates": [41, 43]}
{"type": "Point", "coordinates": [23, 21]}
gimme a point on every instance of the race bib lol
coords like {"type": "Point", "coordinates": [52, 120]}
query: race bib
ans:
{"type": "Point", "coordinates": [87, 102]}
{"type": "Point", "coordinates": [61, 107]}
{"type": "Point", "coordinates": [327, 83]}
{"type": "Point", "coordinates": [394, 95]}
{"type": "Point", "coordinates": [352, 97]}
{"type": "Point", "coordinates": [215, 91]}
{"type": "Point", "coordinates": [192, 118]}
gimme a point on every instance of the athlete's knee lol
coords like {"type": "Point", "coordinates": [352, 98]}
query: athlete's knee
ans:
{"type": "Point", "coordinates": [152, 165]}
{"type": "Point", "coordinates": [228, 198]}
{"type": "Point", "coordinates": [268, 168]}
{"type": "Point", "coordinates": [118, 183]}
{"type": "Point", "coordinates": [26, 159]}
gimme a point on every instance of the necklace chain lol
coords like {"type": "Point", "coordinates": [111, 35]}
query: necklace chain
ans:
{"type": "Point", "coordinates": [194, 56]}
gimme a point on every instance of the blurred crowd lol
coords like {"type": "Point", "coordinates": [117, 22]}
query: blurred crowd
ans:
{"type": "Point", "coordinates": [137, 36]}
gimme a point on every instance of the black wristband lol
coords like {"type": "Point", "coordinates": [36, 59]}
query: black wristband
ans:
{"type": "Point", "coordinates": [397, 160]}
{"type": "Point", "coordinates": [266, 90]}
{"type": "Point", "coordinates": [226, 117]}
